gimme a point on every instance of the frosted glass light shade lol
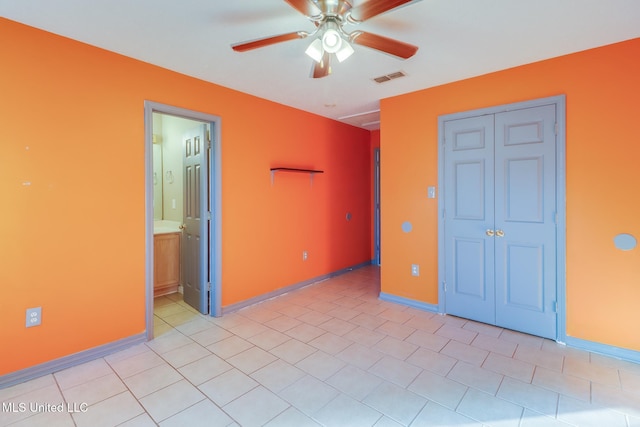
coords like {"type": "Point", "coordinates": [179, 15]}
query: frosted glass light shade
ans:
{"type": "Point", "coordinates": [315, 50]}
{"type": "Point", "coordinates": [345, 51]}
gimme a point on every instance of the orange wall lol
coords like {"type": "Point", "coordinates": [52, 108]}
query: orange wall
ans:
{"type": "Point", "coordinates": [603, 147]}
{"type": "Point", "coordinates": [73, 239]}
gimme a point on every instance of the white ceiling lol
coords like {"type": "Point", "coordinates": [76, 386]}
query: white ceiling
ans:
{"type": "Point", "coordinates": [457, 39]}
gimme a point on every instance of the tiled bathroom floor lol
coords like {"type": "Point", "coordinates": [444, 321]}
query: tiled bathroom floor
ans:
{"type": "Point", "coordinates": [332, 354]}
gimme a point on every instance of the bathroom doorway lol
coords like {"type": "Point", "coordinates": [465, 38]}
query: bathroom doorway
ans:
{"type": "Point", "coordinates": [183, 201]}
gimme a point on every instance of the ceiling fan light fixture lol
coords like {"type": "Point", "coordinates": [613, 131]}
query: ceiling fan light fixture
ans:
{"type": "Point", "coordinates": [331, 41]}
{"type": "Point", "coordinates": [345, 51]}
{"type": "Point", "coordinates": [329, 36]}
{"type": "Point", "coordinates": [314, 51]}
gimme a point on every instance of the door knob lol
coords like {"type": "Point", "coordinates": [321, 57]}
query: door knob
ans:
{"type": "Point", "coordinates": [499, 233]}
{"type": "Point", "coordinates": [490, 232]}
{"type": "Point", "coordinates": [182, 226]}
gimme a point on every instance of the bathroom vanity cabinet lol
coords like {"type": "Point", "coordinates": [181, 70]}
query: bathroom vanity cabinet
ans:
{"type": "Point", "coordinates": [166, 261]}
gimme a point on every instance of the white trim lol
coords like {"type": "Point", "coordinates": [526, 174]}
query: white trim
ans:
{"type": "Point", "coordinates": [269, 295]}
{"type": "Point", "coordinates": [215, 300]}
{"type": "Point", "coordinates": [409, 302]}
{"type": "Point", "coordinates": [376, 206]}
{"type": "Point", "coordinates": [604, 349]}
{"type": "Point", "coordinates": [560, 102]}
{"type": "Point", "coordinates": [69, 361]}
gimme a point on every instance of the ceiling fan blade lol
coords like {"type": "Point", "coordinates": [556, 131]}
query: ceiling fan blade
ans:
{"type": "Point", "coordinates": [374, 8]}
{"type": "Point", "coordinates": [322, 68]}
{"type": "Point", "coordinates": [393, 47]}
{"type": "Point", "coordinates": [306, 7]}
{"type": "Point", "coordinates": [266, 41]}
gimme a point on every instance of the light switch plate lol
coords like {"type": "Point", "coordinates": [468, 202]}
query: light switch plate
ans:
{"type": "Point", "coordinates": [431, 192]}
{"type": "Point", "coordinates": [415, 270]}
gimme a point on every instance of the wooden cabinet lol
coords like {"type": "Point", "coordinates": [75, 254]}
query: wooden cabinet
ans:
{"type": "Point", "coordinates": [166, 263]}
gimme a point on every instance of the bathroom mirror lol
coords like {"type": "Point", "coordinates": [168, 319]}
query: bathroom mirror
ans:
{"type": "Point", "coordinates": [168, 134]}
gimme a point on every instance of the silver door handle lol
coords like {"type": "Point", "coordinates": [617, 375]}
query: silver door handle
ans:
{"type": "Point", "coordinates": [499, 233]}
{"type": "Point", "coordinates": [490, 232]}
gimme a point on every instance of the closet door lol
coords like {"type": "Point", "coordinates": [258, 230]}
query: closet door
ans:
{"type": "Point", "coordinates": [499, 219]}
{"type": "Point", "coordinates": [469, 214]}
{"type": "Point", "coordinates": [525, 210]}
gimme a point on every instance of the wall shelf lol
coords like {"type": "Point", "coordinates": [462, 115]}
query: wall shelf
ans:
{"type": "Point", "coordinates": [311, 172]}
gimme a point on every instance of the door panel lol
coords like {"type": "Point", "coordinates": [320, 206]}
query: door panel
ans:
{"type": "Point", "coordinates": [470, 184]}
{"type": "Point", "coordinates": [524, 282]}
{"type": "Point", "coordinates": [469, 272]}
{"type": "Point", "coordinates": [523, 182]}
{"type": "Point", "coordinates": [196, 223]}
{"type": "Point", "coordinates": [525, 212]}
{"type": "Point", "coordinates": [469, 173]}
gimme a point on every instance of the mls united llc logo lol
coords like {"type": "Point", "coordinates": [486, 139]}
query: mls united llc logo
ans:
{"type": "Point", "coordinates": [44, 407]}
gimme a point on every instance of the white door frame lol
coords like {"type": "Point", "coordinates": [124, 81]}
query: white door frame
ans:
{"type": "Point", "coordinates": [376, 205]}
{"type": "Point", "coordinates": [215, 194]}
{"type": "Point", "coordinates": [561, 247]}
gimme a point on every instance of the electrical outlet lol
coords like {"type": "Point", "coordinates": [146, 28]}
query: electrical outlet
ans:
{"type": "Point", "coordinates": [415, 270]}
{"type": "Point", "coordinates": [305, 255]}
{"type": "Point", "coordinates": [34, 316]}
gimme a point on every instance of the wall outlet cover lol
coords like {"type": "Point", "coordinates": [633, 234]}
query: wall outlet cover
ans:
{"type": "Point", "coordinates": [34, 316]}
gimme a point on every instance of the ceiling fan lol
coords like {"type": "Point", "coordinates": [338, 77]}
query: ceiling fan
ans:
{"type": "Point", "coordinates": [329, 17]}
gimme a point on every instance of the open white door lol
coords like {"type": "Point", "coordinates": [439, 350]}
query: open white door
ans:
{"type": "Point", "coordinates": [195, 253]}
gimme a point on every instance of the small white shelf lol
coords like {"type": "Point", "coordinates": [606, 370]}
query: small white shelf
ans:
{"type": "Point", "coordinates": [311, 172]}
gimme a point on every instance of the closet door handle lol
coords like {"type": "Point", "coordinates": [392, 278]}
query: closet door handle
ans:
{"type": "Point", "coordinates": [490, 232]}
{"type": "Point", "coordinates": [499, 233]}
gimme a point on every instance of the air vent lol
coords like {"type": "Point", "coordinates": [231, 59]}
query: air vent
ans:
{"type": "Point", "coordinates": [389, 77]}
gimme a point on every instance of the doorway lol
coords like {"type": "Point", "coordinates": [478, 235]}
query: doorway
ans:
{"type": "Point", "coordinates": [501, 228]}
{"type": "Point", "coordinates": [189, 168]}
{"type": "Point", "coordinates": [376, 205]}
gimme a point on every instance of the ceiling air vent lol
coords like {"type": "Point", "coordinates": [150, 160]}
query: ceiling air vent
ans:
{"type": "Point", "coordinates": [389, 77]}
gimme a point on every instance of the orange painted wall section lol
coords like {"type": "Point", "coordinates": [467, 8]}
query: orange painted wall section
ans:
{"type": "Point", "coordinates": [603, 147]}
{"type": "Point", "coordinates": [72, 181]}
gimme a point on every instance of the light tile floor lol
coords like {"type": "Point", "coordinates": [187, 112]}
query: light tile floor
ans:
{"type": "Point", "coordinates": [332, 354]}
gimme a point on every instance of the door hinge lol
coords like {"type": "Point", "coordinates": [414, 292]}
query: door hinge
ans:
{"type": "Point", "coordinates": [209, 286]}
{"type": "Point", "coordinates": [209, 215]}
{"type": "Point", "coordinates": [554, 306]}
{"type": "Point", "coordinates": [444, 286]}
{"type": "Point", "coordinates": [557, 128]}
{"type": "Point", "coordinates": [209, 142]}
